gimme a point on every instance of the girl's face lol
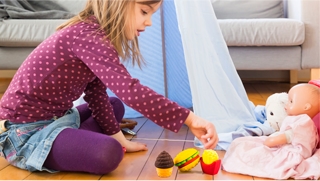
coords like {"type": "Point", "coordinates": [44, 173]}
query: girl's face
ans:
{"type": "Point", "coordinates": [143, 12]}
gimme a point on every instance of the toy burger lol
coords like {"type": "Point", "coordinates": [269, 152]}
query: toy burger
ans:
{"type": "Point", "coordinates": [210, 162]}
{"type": "Point", "coordinates": [187, 159]}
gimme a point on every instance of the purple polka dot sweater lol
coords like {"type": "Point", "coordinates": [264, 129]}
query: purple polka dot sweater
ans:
{"type": "Point", "coordinates": [76, 60]}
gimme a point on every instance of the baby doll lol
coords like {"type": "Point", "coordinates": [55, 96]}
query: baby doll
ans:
{"type": "Point", "coordinates": [277, 156]}
{"type": "Point", "coordinates": [303, 99]}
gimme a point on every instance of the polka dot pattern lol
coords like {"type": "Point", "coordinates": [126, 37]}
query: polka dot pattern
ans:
{"type": "Point", "coordinates": [76, 60]}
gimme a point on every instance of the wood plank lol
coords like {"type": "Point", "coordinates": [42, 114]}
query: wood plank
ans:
{"type": "Point", "coordinates": [80, 176]}
{"type": "Point", "coordinates": [251, 91]}
{"type": "Point", "coordinates": [141, 121]}
{"type": "Point", "coordinates": [190, 136]}
{"type": "Point", "coordinates": [277, 88]}
{"type": "Point", "coordinates": [257, 102]}
{"type": "Point", "coordinates": [46, 176]}
{"type": "Point", "coordinates": [263, 90]}
{"type": "Point", "coordinates": [253, 95]}
{"type": "Point", "coordinates": [223, 175]}
{"type": "Point", "coordinates": [181, 135]}
{"type": "Point", "coordinates": [150, 130]}
{"type": "Point", "coordinates": [13, 173]}
{"type": "Point", "coordinates": [3, 163]}
{"type": "Point", "coordinates": [133, 163]}
{"type": "Point", "coordinates": [260, 178]}
{"type": "Point", "coordinates": [173, 147]}
{"type": "Point", "coordinates": [267, 89]}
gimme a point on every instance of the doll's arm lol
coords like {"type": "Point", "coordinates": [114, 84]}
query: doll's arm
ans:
{"type": "Point", "coordinates": [280, 139]}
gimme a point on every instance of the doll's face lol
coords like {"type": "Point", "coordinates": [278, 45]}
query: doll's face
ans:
{"type": "Point", "coordinates": [300, 100]}
{"type": "Point", "coordinates": [295, 103]}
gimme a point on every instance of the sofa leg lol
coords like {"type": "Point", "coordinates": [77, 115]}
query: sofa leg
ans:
{"type": "Point", "coordinates": [293, 76]}
{"type": "Point", "coordinates": [315, 74]}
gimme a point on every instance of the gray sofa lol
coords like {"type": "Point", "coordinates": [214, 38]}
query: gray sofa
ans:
{"type": "Point", "coordinates": [260, 34]}
{"type": "Point", "coordinates": [272, 34]}
{"type": "Point", "coordinates": [18, 37]}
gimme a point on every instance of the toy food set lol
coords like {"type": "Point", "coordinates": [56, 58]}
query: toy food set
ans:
{"type": "Point", "coordinates": [186, 160]}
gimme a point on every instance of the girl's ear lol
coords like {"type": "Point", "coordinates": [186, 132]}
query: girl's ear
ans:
{"type": "Point", "coordinates": [307, 106]}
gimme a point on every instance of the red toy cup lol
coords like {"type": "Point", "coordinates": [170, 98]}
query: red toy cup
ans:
{"type": "Point", "coordinates": [212, 168]}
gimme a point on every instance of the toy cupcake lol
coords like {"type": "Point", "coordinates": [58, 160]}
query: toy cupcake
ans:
{"type": "Point", "coordinates": [164, 164]}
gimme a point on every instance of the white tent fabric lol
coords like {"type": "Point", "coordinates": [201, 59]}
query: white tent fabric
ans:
{"type": "Point", "coordinates": [217, 92]}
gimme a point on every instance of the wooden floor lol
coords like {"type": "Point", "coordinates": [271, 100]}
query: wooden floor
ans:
{"type": "Point", "coordinates": [140, 165]}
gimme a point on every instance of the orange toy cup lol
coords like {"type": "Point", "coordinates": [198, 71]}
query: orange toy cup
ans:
{"type": "Point", "coordinates": [212, 168]}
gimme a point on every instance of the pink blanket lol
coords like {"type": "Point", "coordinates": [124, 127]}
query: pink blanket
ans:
{"type": "Point", "coordinates": [299, 160]}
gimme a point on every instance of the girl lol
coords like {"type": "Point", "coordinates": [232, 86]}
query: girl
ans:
{"type": "Point", "coordinates": [40, 129]}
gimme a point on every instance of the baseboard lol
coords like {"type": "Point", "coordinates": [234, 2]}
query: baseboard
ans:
{"type": "Point", "coordinates": [264, 80]}
{"type": "Point", "coordinates": [272, 75]}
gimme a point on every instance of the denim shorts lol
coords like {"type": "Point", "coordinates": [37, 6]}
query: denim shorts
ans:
{"type": "Point", "coordinates": [27, 145]}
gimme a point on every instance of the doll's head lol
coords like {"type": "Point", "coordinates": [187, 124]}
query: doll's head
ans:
{"type": "Point", "coordinates": [303, 99]}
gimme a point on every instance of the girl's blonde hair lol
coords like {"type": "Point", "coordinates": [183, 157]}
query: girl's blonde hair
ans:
{"type": "Point", "coordinates": [114, 16]}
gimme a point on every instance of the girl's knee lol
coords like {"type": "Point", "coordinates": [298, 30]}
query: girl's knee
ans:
{"type": "Point", "coordinates": [108, 157]}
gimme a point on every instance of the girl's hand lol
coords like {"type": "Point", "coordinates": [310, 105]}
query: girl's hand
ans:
{"type": "Point", "coordinates": [203, 130]}
{"type": "Point", "coordinates": [130, 146]}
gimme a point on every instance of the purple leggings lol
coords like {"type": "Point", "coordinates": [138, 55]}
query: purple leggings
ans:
{"type": "Point", "coordinates": [87, 149]}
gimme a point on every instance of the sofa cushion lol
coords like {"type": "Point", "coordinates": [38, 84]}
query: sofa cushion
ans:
{"type": "Point", "coordinates": [243, 9]}
{"type": "Point", "coordinates": [31, 32]}
{"type": "Point", "coordinates": [262, 32]}
{"type": "Point", "coordinates": [73, 6]}
{"type": "Point", "coordinates": [236, 32]}
{"type": "Point", "coordinates": [26, 32]}
{"type": "Point", "coordinates": [266, 58]}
